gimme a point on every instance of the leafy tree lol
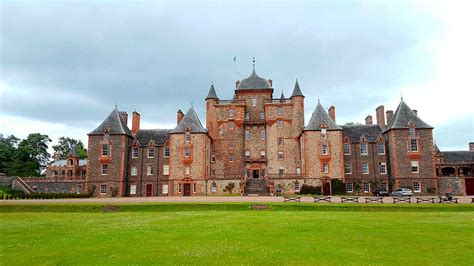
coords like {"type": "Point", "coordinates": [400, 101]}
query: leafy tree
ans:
{"type": "Point", "coordinates": [63, 147]}
{"type": "Point", "coordinates": [30, 154]}
{"type": "Point", "coordinates": [7, 152]}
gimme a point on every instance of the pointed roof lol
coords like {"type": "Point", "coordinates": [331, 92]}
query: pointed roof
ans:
{"type": "Point", "coordinates": [190, 121]}
{"type": "Point", "coordinates": [254, 81]}
{"type": "Point", "coordinates": [113, 124]}
{"type": "Point", "coordinates": [297, 90]}
{"type": "Point", "coordinates": [212, 93]}
{"type": "Point", "coordinates": [402, 116]}
{"type": "Point", "coordinates": [320, 117]}
{"type": "Point", "coordinates": [282, 97]}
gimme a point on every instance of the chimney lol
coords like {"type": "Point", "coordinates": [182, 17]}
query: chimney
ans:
{"type": "Point", "coordinates": [179, 117]}
{"type": "Point", "coordinates": [124, 117]}
{"type": "Point", "coordinates": [380, 112]}
{"type": "Point", "coordinates": [135, 122]}
{"type": "Point", "coordinates": [332, 113]}
{"type": "Point", "coordinates": [237, 84]}
{"type": "Point", "coordinates": [471, 146]}
{"type": "Point", "coordinates": [368, 120]}
{"type": "Point", "coordinates": [415, 111]}
{"type": "Point", "coordinates": [389, 115]}
{"type": "Point", "coordinates": [271, 82]}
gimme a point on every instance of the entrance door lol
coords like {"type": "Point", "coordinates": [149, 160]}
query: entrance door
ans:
{"type": "Point", "coordinates": [187, 190]}
{"type": "Point", "coordinates": [469, 186]}
{"type": "Point", "coordinates": [327, 188]}
{"type": "Point", "coordinates": [149, 190]}
{"type": "Point", "coordinates": [255, 174]}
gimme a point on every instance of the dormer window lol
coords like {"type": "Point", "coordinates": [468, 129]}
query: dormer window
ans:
{"type": "Point", "coordinates": [151, 152]}
{"type": "Point", "coordinates": [167, 151]}
{"type": "Point", "coordinates": [105, 150]}
{"type": "Point", "coordinates": [187, 136]}
{"type": "Point", "coordinates": [323, 133]}
{"type": "Point", "coordinates": [381, 148]}
{"type": "Point", "coordinates": [135, 152]}
{"type": "Point", "coordinates": [347, 148]}
{"type": "Point", "coordinates": [411, 131]}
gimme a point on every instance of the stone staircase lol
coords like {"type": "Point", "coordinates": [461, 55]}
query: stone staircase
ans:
{"type": "Point", "coordinates": [256, 187]}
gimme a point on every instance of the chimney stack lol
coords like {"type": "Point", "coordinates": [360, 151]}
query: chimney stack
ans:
{"type": "Point", "coordinates": [124, 117]}
{"type": "Point", "coordinates": [135, 122]}
{"type": "Point", "coordinates": [368, 120]}
{"type": "Point", "coordinates": [271, 82]}
{"type": "Point", "coordinates": [332, 113]}
{"type": "Point", "coordinates": [380, 112]}
{"type": "Point", "coordinates": [179, 117]}
{"type": "Point", "coordinates": [389, 115]}
{"type": "Point", "coordinates": [237, 84]}
{"type": "Point", "coordinates": [415, 111]}
{"type": "Point", "coordinates": [471, 146]}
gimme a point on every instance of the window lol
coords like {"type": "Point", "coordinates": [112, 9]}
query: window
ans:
{"type": "Point", "coordinates": [280, 141]}
{"type": "Point", "coordinates": [231, 125]}
{"type": "Point", "coordinates": [325, 168]}
{"type": "Point", "coordinates": [166, 169]}
{"type": "Point", "coordinates": [413, 145]}
{"type": "Point", "coordinates": [347, 148]}
{"type": "Point", "coordinates": [366, 187]}
{"type": "Point", "coordinates": [349, 187]}
{"type": "Point", "coordinates": [247, 155]}
{"type": "Point", "coordinates": [133, 170]}
{"type": "Point", "coordinates": [165, 189]}
{"type": "Point", "coordinates": [262, 155]}
{"type": "Point", "coordinates": [247, 116]}
{"type": "Point", "coordinates": [133, 189]}
{"type": "Point", "coordinates": [254, 102]}
{"type": "Point", "coordinates": [365, 168]}
{"type": "Point", "coordinates": [381, 148]}
{"type": "Point", "coordinates": [135, 152]}
{"type": "Point", "coordinates": [187, 136]}
{"type": "Point", "coordinates": [231, 157]}
{"type": "Point", "coordinates": [180, 186]}
{"type": "Point", "coordinates": [383, 168]}
{"type": "Point", "coordinates": [363, 148]}
{"type": "Point", "coordinates": [151, 152]}
{"type": "Point", "coordinates": [383, 185]}
{"type": "Point", "coordinates": [262, 134]}
{"type": "Point", "coordinates": [103, 189]}
{"type": "Point", "coordinates": [247, 173]}
{"type": "Point", "coordinates": [167, 151]}
{"type": "Point", "coordinates": [280, 110]}
{"type": "Point", "coordinates": [262, 115]}
{"type": "Point", "coordinates": [414, 167]}
{"type": "Point", "coordinates": [231, 113]}
{"type": "Point", "coordinates": [187, 152]}
{"type": "Point", "coordinates": [187, 170]}
{"type": "Point", "coordinates": [348, 168]}
{"type": "Point", "coordinates": [247, 134]}
{"type": "Point", "coordinates": [281, 172]}
{"type": "Point", "coordinates": [323, 133]}
{"type": "Point", "coordinates": [411, 131]}
{"type": "Point", "coordinates": [194, 187]}
{"type": "Point", "coordinates": [280, 123]}
{"type": "Point", "coordinates": [263, 172]}
{"type": "Point", "coordinates": [280, 155]}
{"type": "Point", "coordinates": [213, 158]}
{"type": "Point", "coordinates": [105, 150]}
{"type": "Point", "coordinates": [231, 145]}
{"type": "Point", "coordinates": [297, 186]}
{"type": "Point", "coordinates": [105, 169]}
{"type": "Point", "coordinates": [298, 170]}
{"type": "Point", "coordinates": [214, 187]}
{"type": "Point", "coordinates": [416, 187]}
{"type": "Point", "coordinates": [149, 169]}
{"type": "Point", "coordinates": [324, 149]}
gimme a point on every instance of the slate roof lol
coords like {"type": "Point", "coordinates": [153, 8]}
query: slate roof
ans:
{"type": "Point", "coordinates": [115, 125]}
{"type": "Point", "coordinates": [355, 132]}
{"type": "Point", "coordinates": [82, 162]}
{"type": "Point", "coordinates": [296, 90]}
{"type": "Point", "coordinates": [319, 117]}
{"type": "Point", "coordinates": [212, 93]}
{"type": "Point", "coordinates": [254, 82]}
{"type": "Point", "coordinates": [458, 157]}
{"type": "Point", "coordinates": [402, 116]}
{"type": "Point", "coordinates": [159, 136]}
{"type": "Point", "coordinates": [190, 121]}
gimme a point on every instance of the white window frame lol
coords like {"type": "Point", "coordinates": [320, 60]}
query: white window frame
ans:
{"type": "Point", "coordinates": [279, 110]}
{"type": "Point", "coordinates": [416, 145]}
{"type": "Point", "coordinates": [383, 165]}
{"type": "Point", "coordinates": [263, 154]}
{"type": "Point", "coordinates": [133, 170]}
{"type": "Point", "coordinates": [149, 169]}
{"type": "Point", "coordinates": [348, 166]}
{"type": "Point", "coordinates": [280, 141]}
{"type": "Point", "coordinates": [298, 170]}
{"type": "Point", "coordinates": [187, 152]}
{"type": "Point", "coordinates": [135, 155]}
{"type": "Point", "coordinates": [103, 189]}
{"type": "Point", "coordinates": [213, 187]}
{"type": "Point", "coordinates": [247, 154]}
{"type": "Point", "coordinates": [187, 136]}
{"type": "Point", "coordinates": [380, 145]}
{"type": "Point", "coordinates": [366, 187]}
{"type": "Point", "coordinates": [280, 123]}
{"type": "Point", "coordinates": [105, 147]}
{"type": "Point", "coordinates": [133, 189]}
{"type": "Point", "coordinates": [348, 145]}
{"type": "Point", "coordinates": [281, 155]}
{"type": "Point", "coordinates": [415, 184]}
{"type": "Point", "coordinates": [106, 172]}
{"type": "Point", "coordinates": [187, 170]}
{"type": "Point", "coordinates": [362, 168]}
{"type": "Point", "coordinates": [152, 150]}
{"type": "Point", "coordinates": [166, 151]}
{"type": "Point", "coordinates": [323, 133]}
{"type": "Point", "coordinates": [165, 189]}
{"type": "Point", "coordinates": [417, 165]}
{"type": "Point", "coordinates": [349, 187]}
{"type": "Point", "coordinates": [325, 168]}
{"type": "Point", "coordinates": [254, 102]}
{"type": "Point", "coordinates": [324, 149]}
{"type": "Point", "coordinates": [262, 134]}
{"type": "Point", "coordinates": [262, 115]}
{"type": "Point", "coordinates": [166, 169]}
{"type": "Point", "coordinates": [364, 151]}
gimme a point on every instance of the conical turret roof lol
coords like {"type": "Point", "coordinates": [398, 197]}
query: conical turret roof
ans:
{"type": "Point", "coordinates": [212, 93]}
{"type": "Point", "coordinates": [113, 124]}
{"type": "Point", "coordinates": [191, 122]}
{"type": "Point", "coordinates": [297, 90]}
{"type": "Point", "coordinates": [319, 118]}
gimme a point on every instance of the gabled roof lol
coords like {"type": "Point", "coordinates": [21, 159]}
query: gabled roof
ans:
{"type": "Point", "coordinates": [159, 136]}
{"type": "Point", "coordinates": [190, 121]}
{"type": "Point", "coordinates": [458, 157]}
{"type": "Point", "coordinates": [297, 90]}
{"type": "Point", "coordinates": [254, 81]}
{"type": "Point", "coordinates": [355, 132]}
{"type": "Point", "coordinates": [82, 162]}
{"type": "Point", "coordinates": [402, 116]}
{"type": "Point", "coordinates": [320, 117]}
{"type": "Point", "coordinates": [212, 93]}
{"type": "Point", "coordinates": [113, 124]}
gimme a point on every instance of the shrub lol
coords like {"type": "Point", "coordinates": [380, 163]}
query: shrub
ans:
{"type": "Point", "coordinates": [312, 190]}
{"type": "Point", "coordinates": [431, 190]}
{"type": "Point", "coordinates": [338, 187]}
{"type": "Point", "coordinates": [229, 187]}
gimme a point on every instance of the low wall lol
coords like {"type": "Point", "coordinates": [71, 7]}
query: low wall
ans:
{"type": "Point", "coordinates": [451, 184]}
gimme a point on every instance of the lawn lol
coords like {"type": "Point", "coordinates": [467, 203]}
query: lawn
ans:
{"type": "Point", "coordinates": [233, 233]}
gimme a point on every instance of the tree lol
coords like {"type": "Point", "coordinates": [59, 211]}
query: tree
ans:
{"type": "Point", "coordinates": [31, 154]}
{"type": "Point", "coordinates": [63, 147]}
{"type": "Point", "coordinates": [7, 152]}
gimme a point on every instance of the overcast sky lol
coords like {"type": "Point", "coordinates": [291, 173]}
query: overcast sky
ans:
{"type": "Point", "coordinates": [64, 65]}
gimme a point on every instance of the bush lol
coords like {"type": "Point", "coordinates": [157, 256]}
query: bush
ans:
{"type": "Point", "coordinates": [311, 190]}
{"type": "Point", "coordinates": [338, 187]}
{"type": "Point", "coordinates": [431, 190]}
{"type": "Point", "coordinates": [230, 187]}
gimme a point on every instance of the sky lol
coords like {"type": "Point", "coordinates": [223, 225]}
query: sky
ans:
{"type": "Point", "coordinates": [64, 65]}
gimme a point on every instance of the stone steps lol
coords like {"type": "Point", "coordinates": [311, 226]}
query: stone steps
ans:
{"type": "Point", "coordinates": [256, 187]}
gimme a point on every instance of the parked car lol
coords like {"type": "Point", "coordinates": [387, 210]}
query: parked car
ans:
{"type": "Point", "coordinates": [402, 192]}
{"type": "Point", "coordinates": [381, 193]}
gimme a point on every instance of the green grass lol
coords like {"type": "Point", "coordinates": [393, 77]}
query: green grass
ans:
{"type": "Point", "coordinates": [233, 233]}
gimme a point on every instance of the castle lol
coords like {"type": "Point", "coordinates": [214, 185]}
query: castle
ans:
{"type": "Point", "coordinates": [258, 144]}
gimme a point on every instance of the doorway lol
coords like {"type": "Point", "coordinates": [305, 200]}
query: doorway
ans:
{"type": "Point", "coordinates": [469, 186]}
{"type": "Point", "coordinates": [187, 190]}
{"type": "Point", "coordinates": [327, 188]}
{"type": "Point", "coordinates": [255, 174]}
{"type": "Point", "coordinates": [149, 190]}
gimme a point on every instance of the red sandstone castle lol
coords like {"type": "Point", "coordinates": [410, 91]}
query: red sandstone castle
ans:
{"type": "Point", "coordinates": [256, 144]}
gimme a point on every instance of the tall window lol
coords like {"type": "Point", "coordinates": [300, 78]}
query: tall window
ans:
{"type": "Point", "coordinates": [280, 155]}
{"type": "Point", "coordinates": [381, 148]}
{"type": "Point", "coordinates": [187, 170]}
{"type": "Point", "coordinates": [365, 167]}
{"type": "Point", "coordinates": [262, 155]}
{"type": "Point", "coordinates": [349, 187]}
{"type": "Point", "coordinates": [166, 169]}
{"type": "Point", "coordinates": [280, 123]}
{"type": "Point", "coordinates": [151, 152]}
{"type": "Point", "coordinates": [149, 169]}
{"type": "Point", "coordinates": [323, 133]}
{"type": "Point", "coordinates": [180, 188]}
{"type": "Point", "coordinates": [194, 187]}
{"type": "Point", "coordinates": [411, 131]}
{"type": "Point", "coordinates": [133, 189]}
{"type": "Point", "coordinates": [213, 158]}
{"type": "Point", "coordinates": [415, 167]}
{"type": "Point", "coordinates": [105, 150]}
{"type": "Point", "coordinates": [280, 141]}
{"type": "Point", "coordinates": [325, 168]}
{"type": "Point", "coordinates": [366, 187]}
{"type": "Point", "coordinates": [231, 157]}
{"type": "Point", "coordinates": [247, 134]}
{"type": "Point", "coordinates": [105, 169]}
{"type": "Point", "coordinates": [133, 170]}
{"type": "Point", "coordinates": [167, 151]}
{"type": "Point", "coordinates": [135, 152]}
{"type": "Point", "coordinates": [262, 115]}
{"type": "Point", "coordinates": [247, 155]}
{"type": "Point", "coordinates": [348, 168]}
{"type": "Point", "coordinates": [413, 145]}
{"type": "Point", "coordinates": [280, 110]}
{"type": "Point", "coordinates": [231, 125]}
{"type": "Point", "coordinates": [416, 187]}
{"type": "Point", "coordinates": [231, 113]}
{"type": "Point", "coordinates": [187, 136]}
{"type": "Point", "coordinates": [254, 102]}
{"type": "Point", "coordinates": [103, 189]}
{"type": "Point", "coordinates": [231, 145]}
{"type": "Point", "coordinates": [187, 152]}
{"type": "Point", "coordinates": [383, 168]}
{"type": "Point", "coordinates": [262, 134]}
{"type": "Point", "coordinates": [347, 148]}
{"type": "Point", "coordinates": [324, 149]}
{"type": "Point", "coordinates": [214, 187]}
{"type": "Point", "coordinates": [363, 148]}
{"type": "Point", "coordinates": [165, 189]}
{"type": "Point", "coordinates": [298, 170]}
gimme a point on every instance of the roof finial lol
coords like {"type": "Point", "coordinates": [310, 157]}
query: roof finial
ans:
{"type": "Point", "coordinates": [254, 63]}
